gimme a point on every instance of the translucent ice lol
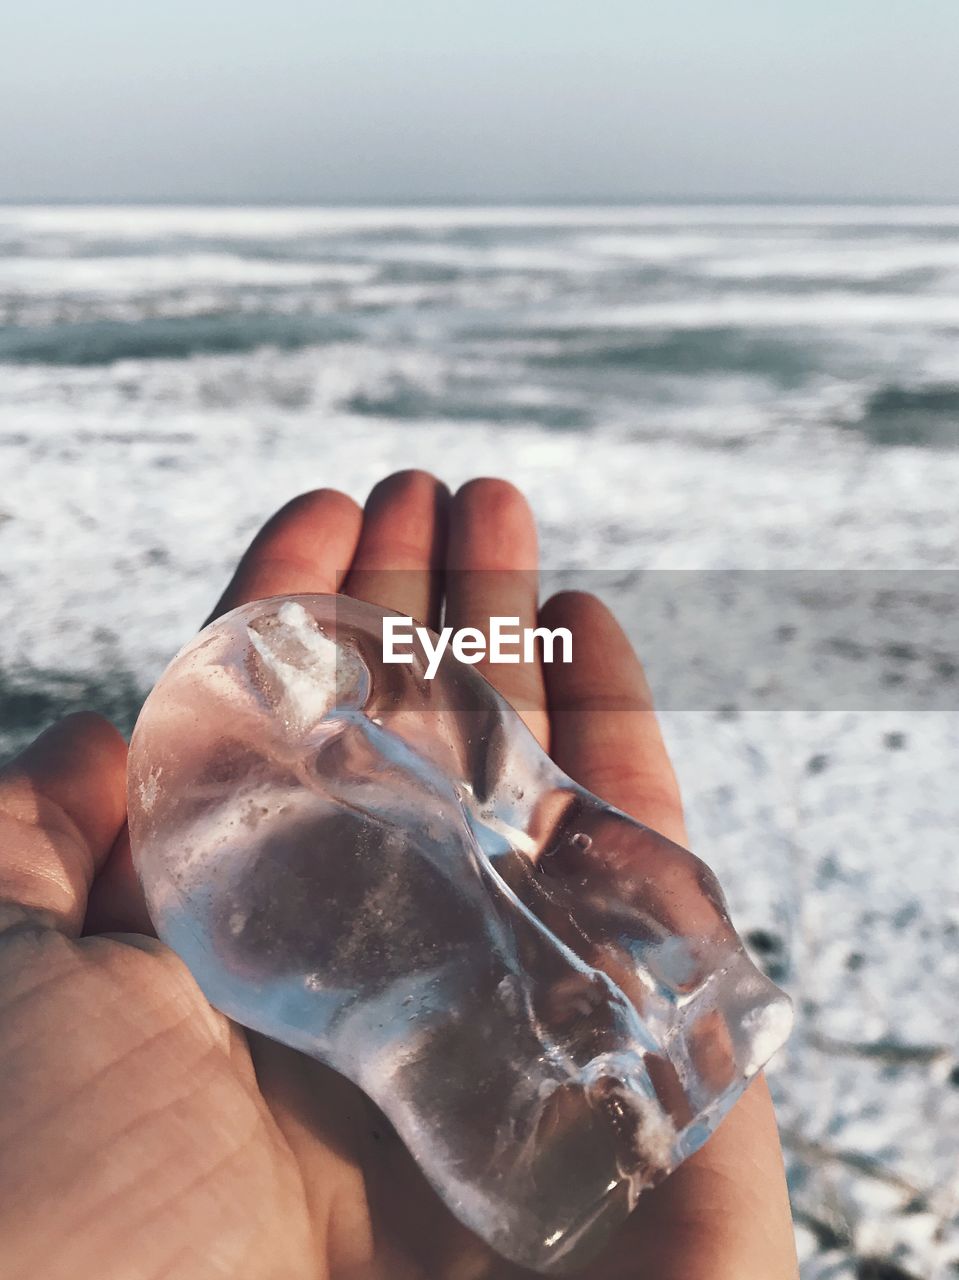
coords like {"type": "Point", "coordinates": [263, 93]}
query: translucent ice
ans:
{"type": "Point", "coordinates": [546, 998]}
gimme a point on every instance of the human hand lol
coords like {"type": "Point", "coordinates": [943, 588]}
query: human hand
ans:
{"type": "Point", "coordinates": [142, 1134]}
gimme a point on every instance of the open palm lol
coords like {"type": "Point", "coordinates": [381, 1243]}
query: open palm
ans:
{"type": "Point", "coordinates": [143, 1135]}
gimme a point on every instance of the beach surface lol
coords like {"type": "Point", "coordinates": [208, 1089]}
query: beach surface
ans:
{"type": "Point", "coordinates": [685, 393]}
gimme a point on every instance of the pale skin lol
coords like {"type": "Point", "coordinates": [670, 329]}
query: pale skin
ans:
{"type": "Point", "coordinates": [143, 1135]}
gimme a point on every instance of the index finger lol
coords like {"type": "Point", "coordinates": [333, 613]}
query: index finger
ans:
{"type": "Point", "coordinates": [306, 547]}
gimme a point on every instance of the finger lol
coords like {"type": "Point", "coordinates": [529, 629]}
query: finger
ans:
{"type": "Point", "coordinates": [306, 547]}
{"type": "Point", "coordinates": [491, 571]}
{"type": "Point", "coordinates": [723, 1213]}
{"type": "Point", "coordinates": [62, 804]}
{"type": "Point", "coordinates": [605, 735]}
{"type": "Point", "coordinates": [399, 559]}
{"type": "Point", "coordinates": [116, 903]}
{"type": "Point", "coordinates": [604, 730]}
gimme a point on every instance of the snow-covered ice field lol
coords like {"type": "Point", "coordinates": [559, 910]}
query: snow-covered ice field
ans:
{"type": "Point", "coordinates": [676, 389]}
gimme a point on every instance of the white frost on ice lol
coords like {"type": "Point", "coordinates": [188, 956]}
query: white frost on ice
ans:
{"type": "Point", "coordinates": [309, 687]}
{"type": "Point", "coordinates": [150, 789]}
{"type": "Point", "coordinates": [765, 1028]}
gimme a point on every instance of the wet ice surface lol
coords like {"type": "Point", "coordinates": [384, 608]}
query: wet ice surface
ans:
{"type": "Point", "coordinates": [798, 410]}
{"type": "Point", "coordinates": [546, 998]}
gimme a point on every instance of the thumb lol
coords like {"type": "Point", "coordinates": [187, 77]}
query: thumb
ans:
{"type": "Point", "coordinates": [62, 805]}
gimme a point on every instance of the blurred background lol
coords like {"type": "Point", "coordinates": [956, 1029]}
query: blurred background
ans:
{"type": "Point", "coordinates": [690, 277]}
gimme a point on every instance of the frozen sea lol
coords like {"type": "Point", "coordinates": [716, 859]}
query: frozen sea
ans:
{"type": "Point", "coordinates": [688, 395]}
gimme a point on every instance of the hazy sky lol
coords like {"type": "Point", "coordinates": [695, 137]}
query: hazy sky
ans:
{"type": "Point", "coordinates": [496, 99]}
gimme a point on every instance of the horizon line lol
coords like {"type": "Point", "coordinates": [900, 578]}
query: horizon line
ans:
{"type": "Point", "coordinates": [441, 201]}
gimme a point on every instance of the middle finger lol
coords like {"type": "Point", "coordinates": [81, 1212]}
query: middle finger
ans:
{"type": "Point", "coordinates": [491, 571]}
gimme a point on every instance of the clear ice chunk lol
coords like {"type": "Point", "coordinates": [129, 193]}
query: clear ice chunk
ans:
{"type": "Point", "coordinates": [546, 998]}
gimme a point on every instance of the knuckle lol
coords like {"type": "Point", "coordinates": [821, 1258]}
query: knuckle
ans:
{"type": "Point", "coordinates": [574, 606]}
{"type": "Point", "coordinates": [96, 731]}
{"type": "Point", "coordinates": [315, 502]}
{"type": "Point", "coordinates": [588, 698]}
{"type": "Point", "coordinates": [497, 499]}
{"type": "Point", "coordinates": [652, 790]}
{"type": "Point", "coordinates": [411, 485]}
